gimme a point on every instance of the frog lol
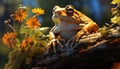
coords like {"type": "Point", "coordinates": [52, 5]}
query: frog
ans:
{"type": "Point", "coordinates": [70, 26]}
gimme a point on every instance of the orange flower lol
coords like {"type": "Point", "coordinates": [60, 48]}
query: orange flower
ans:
{"type": "Point", "coordinates": [20, 14]}
{"type": "Point", "coordinates": [26, 42]}
{"type": "Point", "coordinates": [33, 22]}
{"type": "Point", "coordinates": [9, 39]}
{"type": "Point", "coordinates": [38, 11]}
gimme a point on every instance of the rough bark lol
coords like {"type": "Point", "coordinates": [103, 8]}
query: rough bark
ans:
{"type": "Point", "coordinates": [91, 52]}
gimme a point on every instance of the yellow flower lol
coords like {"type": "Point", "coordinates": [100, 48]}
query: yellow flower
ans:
{"type": "Point", "coordinates": [26, 42]}
{"type": "Point", "coordinates": [33, 22]}
{"type": "Point", "coordinates": [38, 11]}
{"type": "Point", "coordinates": [20, 14]}
{"type": "Point", "coordinates": [9, 39]}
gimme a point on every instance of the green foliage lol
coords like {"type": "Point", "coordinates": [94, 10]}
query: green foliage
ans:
{"type": "Point", "coordinates": [115, 20]}
{"type": "Point", "coordinates": [115, 2]}
{"type": "Point", "coordinates": [22, 56]}
{"type": "Point", "coordinates": [104, 31]}
{"type": "Point", "coordinates": [28, 42]}
{"type": "Point", "coordinates": [116, 12]}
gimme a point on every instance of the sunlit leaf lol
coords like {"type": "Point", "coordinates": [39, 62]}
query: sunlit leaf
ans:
{"type": "Point", "coordinates": [45, 30]}
{"type": "Point", "coordinates": [115, 19]}
{"type": "Point", "coordinates": [115, 1]}
{"type": "Point", "coordinates": [35, 34]}
{"type": "Point", "coordinates": [17, 43]}
{"type": "Point", "coordinates": [24, 29]}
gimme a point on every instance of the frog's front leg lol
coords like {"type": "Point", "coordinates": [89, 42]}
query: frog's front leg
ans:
{"type": "Point", "coordinates": [90, 28]}
{"type": "Point", "coordinates": [54, 41]}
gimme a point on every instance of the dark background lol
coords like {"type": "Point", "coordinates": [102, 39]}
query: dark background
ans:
{"type": "Point", "coordinates": [98, 10]}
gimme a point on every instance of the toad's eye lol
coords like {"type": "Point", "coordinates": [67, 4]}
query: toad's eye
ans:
{"type": "Point", "coordinates": [69, 10]}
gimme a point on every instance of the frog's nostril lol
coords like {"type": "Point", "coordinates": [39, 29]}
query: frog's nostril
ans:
{"type": "Point", "coordinates": [53, 10]}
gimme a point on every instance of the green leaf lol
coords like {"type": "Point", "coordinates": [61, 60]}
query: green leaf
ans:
{"type": "Point", "coordinates": [17, 44]}
{"type": "Point", "coordinates": [24, 29]}
{"type": "Point", "coordinates": [45, 30]}
{"type": "Point", "coordinates": [36, 34]}
{"type": "Point", "coordinates": [115, 19]}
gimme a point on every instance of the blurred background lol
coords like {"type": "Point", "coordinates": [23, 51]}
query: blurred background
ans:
{"type": "Point", "coordinates": [98, 10]}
